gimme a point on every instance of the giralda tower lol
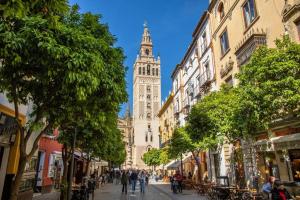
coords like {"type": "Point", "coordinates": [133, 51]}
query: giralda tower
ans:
{"type": "Point", "coordinates": [146, 100]}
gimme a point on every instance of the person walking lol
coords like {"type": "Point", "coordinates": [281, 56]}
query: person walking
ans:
{"type": "Point", "coordinates": [267, 187]}
{"type": "Point", "coordinates": [280, 193]}
{"type": "Point", "coordinates": [142, 179]}
{"type": "Point", "coordinates": [179, 179]}
{"type": "Point", "coordinates": [124, 182]}
{"type": "Point", "coordinates": [133, 179]}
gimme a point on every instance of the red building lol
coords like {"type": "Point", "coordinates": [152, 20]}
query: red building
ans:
{"type": "Point", "coordinates": [50, 166]}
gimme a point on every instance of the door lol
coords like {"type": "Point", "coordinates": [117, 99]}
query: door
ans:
{"type": "Point", "coordinates": [40, 168]}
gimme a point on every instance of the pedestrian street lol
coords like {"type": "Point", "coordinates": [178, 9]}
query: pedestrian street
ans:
{"type": "Point", "coordinates": [154, 191]}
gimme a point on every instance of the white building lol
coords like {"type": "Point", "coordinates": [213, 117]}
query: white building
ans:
{"type": "Point", "coordinates": [146, 100]}
{"type": "Point", "coordinates": [194, 77]}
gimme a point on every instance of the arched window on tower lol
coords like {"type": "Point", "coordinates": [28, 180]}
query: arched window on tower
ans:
{"type": "Point", "coordinates": [148, 70]}
{"type": "Point", "coordinates": [153, 72]}
{"type": "Point", "coordinates": [140, 70]}
{"type": "Point", "coordinates": [151, 138]}
{"type": "Point", "coordinates": [146, 137]}
{"type": "Point", "coordinates": [143, 70]}
{"type": "Point", "coordinates": [156, 71]}
{"type": "Point", "coordinates": [149, 116]}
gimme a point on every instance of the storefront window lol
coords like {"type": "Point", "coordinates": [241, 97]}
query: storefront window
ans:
{"type": "Point", "coordinates": [295, 163]}
{"type": "Point", "coordinates": [271, 164]}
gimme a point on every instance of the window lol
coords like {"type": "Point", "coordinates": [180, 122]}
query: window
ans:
{"type": "Point", "coordinates": [249, 12]}
{"type": "Point", "coordinates": [229, 81]}
{"type": "Point", "coordinates": [151, 138]}
{"type": "Point", "coordinates": [148, 97]}
{"type": "Point", "coordinates": [207, 72]}
{"type": "Point", "coordinates": [143, 70]}
{"type": "Point", "coordinates": [221, 11]}
{"type": "Point", "coordinates": [146, 138]}
{"type": "Point", "coordinates": [224, 42]}
{"type": "Point", "coordinates": [153, 72]}
{"type": "Point", "coordinates": [140, 70]}
{"type": "Point", "coordinates": [298, 28]}
{"type": "Point", "coordinates": [147, 52]}
{"type": "Point", "coordinates": [204, 42]}
{"type": "Point", "coordinates": [149, 105]}
{"type": "Point", "coordinates": [156, 71]}
{"type": "Point", "coordinates": [148, 88]}
{"type": "Point", "coordinates": [148, 69]}
{"type": "Point", "coordinates": [148, 115]}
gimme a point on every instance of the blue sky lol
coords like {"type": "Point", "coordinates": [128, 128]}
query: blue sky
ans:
{"type": "Point", "coordinates": [171, 24]}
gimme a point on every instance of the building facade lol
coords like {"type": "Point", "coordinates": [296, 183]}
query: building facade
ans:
{"type": "Point", "coordinates": [146, 100]}
{"type": "Point", "coordinates": [166, 121]}
{"type": "Point", "coordinates": [50, 164]}
{"type": "Point", "coordinates": [125, 125]}
{"type": "Point", "coordinates": [238, 27]}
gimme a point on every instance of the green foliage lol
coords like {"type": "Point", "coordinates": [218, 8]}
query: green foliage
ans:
{"type": "Point", "coordinates": [152, 157]}
{"type": "Point", "coordinates": [65, 64]}
{"type": "Point", "coordinates": [270, 82]}
{"type": "Point", "coordinates": [214, 117]}
{"type": "Point", "coordinates": [180, 143]}
{"type": "Point", "coordinates": [164, 156]}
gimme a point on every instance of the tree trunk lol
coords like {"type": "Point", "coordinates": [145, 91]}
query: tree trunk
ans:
{"type": "Point", "coordinates": [17, 180]}
{"type": "Point", "coordinates": [198, 165]}
{"type": "Point", "coordinates": [87, 167]}
{"type": "Point", "coordinates": [63, 193]}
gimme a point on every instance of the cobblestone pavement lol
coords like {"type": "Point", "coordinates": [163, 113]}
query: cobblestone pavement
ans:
{"type": "Point", "coordinates": [154, 191]}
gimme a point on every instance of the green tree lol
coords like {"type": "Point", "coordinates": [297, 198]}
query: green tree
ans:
{"type": "Point", "coordinates": [61, 69]}
{"type": "Point", "coordinates": [164, 156]}
{"type": "Point", "coordinates": [270, 85]}
{"type": "Point", "coordinates": [152, 158]}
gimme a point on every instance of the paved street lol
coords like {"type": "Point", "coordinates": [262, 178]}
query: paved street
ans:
{"type": "Point", "coordinates": [155, 191]}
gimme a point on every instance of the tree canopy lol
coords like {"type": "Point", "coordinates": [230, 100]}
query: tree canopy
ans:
{"type": "Point", "coordinates": [270, 82]}
{"type": "Point", "coordinates": [65, 64]}
{"type": "Point", "coordinates": [152, 157]}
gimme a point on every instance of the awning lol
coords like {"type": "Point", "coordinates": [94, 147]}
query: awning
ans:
{"type": "Point", "coordinates": [279, 143]}
{"type": "Point", "coordinates": [174, 165]}
{"type": "Point", "coordinates": [287, 138]}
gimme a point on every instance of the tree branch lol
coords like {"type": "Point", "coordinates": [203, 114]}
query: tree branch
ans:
{"type": "Point", "coordinates": [36, 141]}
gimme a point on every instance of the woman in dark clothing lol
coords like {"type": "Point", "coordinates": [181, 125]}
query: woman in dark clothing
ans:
{"type": "Point", "coordinates": [280, 193]}
{"type": "Point", "coordinates": [124, 181]}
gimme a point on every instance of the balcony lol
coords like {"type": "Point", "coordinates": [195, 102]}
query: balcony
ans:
{"type": "Point", "coordinates": [186, 102]}
{"type": "Point", "coordinates": [203, 47]}
{"type": "Point", "coordinates": [176, 109]}
{"type": "Point", "coordinates": [162, 145]}
{"type": "Point", "coordinates": [247, 46]}
{"type": "Point", "coordinates": [204, 78]}
{"type": "Point", "coordinates": [197, 90]}
{"type": "Point", "coordinates": [227, 68]}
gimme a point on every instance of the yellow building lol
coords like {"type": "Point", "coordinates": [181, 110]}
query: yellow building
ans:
{"type": "Point", "coordinates": [238, 27]}
{"type": "Point", "coordinates": [166, 121]}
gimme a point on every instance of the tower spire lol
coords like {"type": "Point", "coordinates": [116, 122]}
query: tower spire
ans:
{"type": "Point", "coordinates": [146, 44]}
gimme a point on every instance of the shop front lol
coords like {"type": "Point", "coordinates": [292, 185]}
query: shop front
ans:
{"type": "Point", "coordinates": [8, 129]}
{"type": "Point", "coordinates": [280, 157]}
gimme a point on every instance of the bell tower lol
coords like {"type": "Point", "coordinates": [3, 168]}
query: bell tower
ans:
{"type": "Point", "coordinates": [146, 99]}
